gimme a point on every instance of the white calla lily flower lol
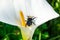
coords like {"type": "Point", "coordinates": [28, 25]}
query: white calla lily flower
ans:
{"type": "Point", "coordinates": [10, 13]}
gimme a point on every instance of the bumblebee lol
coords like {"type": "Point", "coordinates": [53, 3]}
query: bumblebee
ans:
{"type": "Point", "coordinates": [30, 21]}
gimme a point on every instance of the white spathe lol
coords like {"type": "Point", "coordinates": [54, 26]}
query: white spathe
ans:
{"type": "Point", "coordinates": [9, 12]}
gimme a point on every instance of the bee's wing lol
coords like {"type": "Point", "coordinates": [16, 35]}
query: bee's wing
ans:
{"type": "Point", "coordinates": [42, 11]}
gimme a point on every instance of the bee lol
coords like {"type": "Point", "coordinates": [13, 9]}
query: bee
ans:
{"type": "Point", "coordinates": [30, 21]}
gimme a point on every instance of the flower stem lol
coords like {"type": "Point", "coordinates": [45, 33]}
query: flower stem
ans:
{"type": "Point", "coordinates": [40, 36]}
{"type": "Point", "coordinates": [25, 36]}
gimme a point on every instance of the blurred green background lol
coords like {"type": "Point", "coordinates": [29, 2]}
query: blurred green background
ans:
{"type": "Point", "coordinates": [47, 31]}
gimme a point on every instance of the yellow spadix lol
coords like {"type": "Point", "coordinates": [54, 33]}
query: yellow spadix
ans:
{"type": "Point", "coordinates": [22, 19]}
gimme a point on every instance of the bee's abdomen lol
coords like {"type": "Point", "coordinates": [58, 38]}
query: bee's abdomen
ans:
{"type": "Point", "coordinates": [29, 23]}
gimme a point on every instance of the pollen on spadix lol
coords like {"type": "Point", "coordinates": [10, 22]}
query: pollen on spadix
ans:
{"type": "Point", "coordinates": [22, 19]}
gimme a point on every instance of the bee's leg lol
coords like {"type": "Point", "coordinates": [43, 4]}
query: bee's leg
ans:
{"type": "Point", "coordinates": [25, 25]}
{"type": "Point", "coordinates": [33, 23]}
{"type": "Point", "coordinates": [33, 18]}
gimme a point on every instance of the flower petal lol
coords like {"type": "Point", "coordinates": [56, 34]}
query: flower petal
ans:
{"type": "Point", "coordinates": [27, 32]}
{"type": "Point", "coordinates": [7, 12]}
{"type": "Point", "coordinates": [43, 11]}
{"type": "Point", "coordinates": [20, 6]}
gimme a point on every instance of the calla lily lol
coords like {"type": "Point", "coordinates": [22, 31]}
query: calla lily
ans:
{"type": "Point", "coordinates": [15, 12]}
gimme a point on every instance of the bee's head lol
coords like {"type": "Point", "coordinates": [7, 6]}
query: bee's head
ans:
{"type": "Point", "coordinates": [30, 16]}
